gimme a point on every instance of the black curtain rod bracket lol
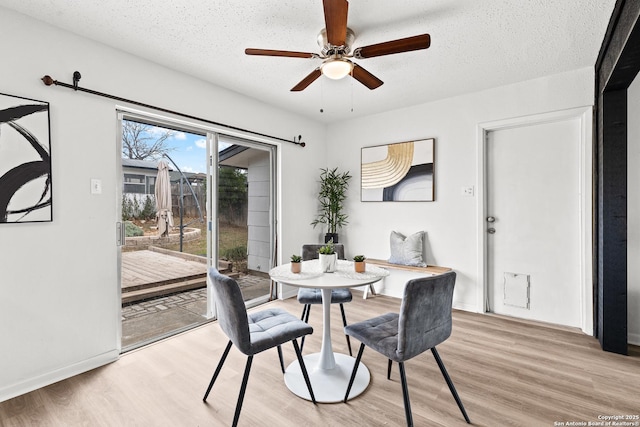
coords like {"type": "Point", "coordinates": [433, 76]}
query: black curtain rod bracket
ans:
{"type": "Point", "coordinates": [48, 81]}
{"type": "Point", "coordinates": [76, 78]}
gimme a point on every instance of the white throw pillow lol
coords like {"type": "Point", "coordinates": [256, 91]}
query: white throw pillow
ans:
{"type": "Point", "coordinates": [407, 250]}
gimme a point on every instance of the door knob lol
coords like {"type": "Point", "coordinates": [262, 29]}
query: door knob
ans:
{"type": "Point", "coordinates": [491, 219]}
{"type": "Point", "coordinates": [491, 230]}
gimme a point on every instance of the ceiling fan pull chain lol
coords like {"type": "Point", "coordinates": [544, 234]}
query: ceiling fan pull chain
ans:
{"type": "Point", "coordinates": [322, 96]}
{"type": "Point", "coordinates": [351, 91]}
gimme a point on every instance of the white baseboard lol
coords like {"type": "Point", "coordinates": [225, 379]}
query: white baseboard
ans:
{"type": "Point", "coordinates": [30, 384]}
{"type": "Point", "coordinates": [465, 307]}
{"type": "Point", "coordinates": [633, 339]}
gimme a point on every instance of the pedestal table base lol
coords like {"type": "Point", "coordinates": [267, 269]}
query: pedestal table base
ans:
{"type": "Point", "coordinates": [329, 385]}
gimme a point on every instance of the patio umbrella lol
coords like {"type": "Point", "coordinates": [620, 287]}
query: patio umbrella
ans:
{"type": "Point", "coordinates": [164, 216]}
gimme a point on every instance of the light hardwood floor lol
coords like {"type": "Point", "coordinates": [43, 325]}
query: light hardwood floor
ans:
{"type": "Point", "coordinates": [507, 372]}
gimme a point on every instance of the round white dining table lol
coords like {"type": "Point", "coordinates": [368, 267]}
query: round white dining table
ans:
{"type": "Point", "coordinates": [329, 372]}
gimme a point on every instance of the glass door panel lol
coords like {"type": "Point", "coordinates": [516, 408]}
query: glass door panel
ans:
{"type": "Point", "coordinates": [245, 205]}
{"type": "Point", "coordinates": [165, 256]}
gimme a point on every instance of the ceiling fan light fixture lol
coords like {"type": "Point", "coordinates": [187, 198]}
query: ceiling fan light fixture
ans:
{"type": "Point", "coordinates": [336, 68]}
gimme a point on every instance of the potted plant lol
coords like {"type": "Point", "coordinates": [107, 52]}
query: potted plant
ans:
{"type": "Point", "coordinates": [333, 192]}
{"type": "Point", "coordinates": [359, 264]}
{"type": "Point", "coordinates": [296, 265]}
{"type": "Point", "coordinates": [328, 257]}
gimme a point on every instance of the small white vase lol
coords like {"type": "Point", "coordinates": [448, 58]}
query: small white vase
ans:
{"type": "Point", "coordinates": [328, 262]}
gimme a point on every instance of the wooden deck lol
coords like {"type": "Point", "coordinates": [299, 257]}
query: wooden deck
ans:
{"type": "Point", "coordinates": [156, 272]}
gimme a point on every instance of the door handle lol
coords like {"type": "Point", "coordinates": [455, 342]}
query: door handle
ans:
{"type": "Point", "coordinates": [121, 234]}
{"type": "Point", "coordinates": [491, 219]}
{"type": "Point", "coordinates": [491, 230]}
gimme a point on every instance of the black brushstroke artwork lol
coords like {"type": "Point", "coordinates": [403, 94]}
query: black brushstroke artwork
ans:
{"type": "Point", "coordinates": [24, 173]}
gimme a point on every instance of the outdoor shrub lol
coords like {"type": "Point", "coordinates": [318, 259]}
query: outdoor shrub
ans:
{"type": "Point", "coordinates": [135, 207]}
{"type": "Point", "coordinates": [148, 210]}
{"type": "Point", "coordinates": [238, 257]}
{"type": "Point", "coordinates": [132, 230]}
{"type": "Point", "coordinates": [238, 253]}
{"type": "Point", "coordinates": [127, 209]}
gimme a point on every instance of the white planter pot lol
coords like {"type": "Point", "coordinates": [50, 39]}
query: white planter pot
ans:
{"type": "Point", "coordinates": [328, 262]}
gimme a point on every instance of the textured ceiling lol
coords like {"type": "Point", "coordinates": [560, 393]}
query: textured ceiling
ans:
{"type": "Point", "coordinates": [475, 44]}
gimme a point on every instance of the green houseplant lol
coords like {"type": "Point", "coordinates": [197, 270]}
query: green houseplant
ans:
{"type": "Point", "coordinates": [327, 249]}
{"type": "Point", "coordinates": [296, 267]}
{"type": "Point", "coordinates": [328, 257]}
{"type": "Point", "coordinates": [332, 194]}
{"type": "Point", "coordinates": [358, 263]}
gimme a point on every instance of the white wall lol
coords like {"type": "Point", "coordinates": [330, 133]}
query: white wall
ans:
{"type": "Point", "coordinates": [59, 310]}
{"type": "Point", "coordinates": [450, 222]}
{"type": "Point", "coordinates": [633, 213]}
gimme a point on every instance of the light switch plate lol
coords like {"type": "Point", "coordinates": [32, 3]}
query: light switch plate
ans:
{"type": "Point", "coordinates": [96, 186]}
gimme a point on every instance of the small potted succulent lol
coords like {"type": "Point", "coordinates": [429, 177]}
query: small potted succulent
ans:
{"type": "Point", "coordinates": [296, 265]}
{"type": "Point", "coordinates": [359, 264]}
{"type": "Point", "coordinates": [328, 257]}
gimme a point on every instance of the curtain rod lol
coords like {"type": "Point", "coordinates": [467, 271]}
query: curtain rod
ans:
{"type": "Point", "coordinates": [48, 80]}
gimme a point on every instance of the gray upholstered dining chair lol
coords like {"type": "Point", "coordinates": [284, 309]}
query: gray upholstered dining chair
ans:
{"type": "Point", "coordinates": [424, 321]}
{"type": "Point", "coordinates": [308, 296]}
{"type": "Point", "coordinates": [254, 332]}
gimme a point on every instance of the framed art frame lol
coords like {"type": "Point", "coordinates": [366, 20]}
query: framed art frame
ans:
{"type": "Point", "coordinates": [25, 160]}
{"type": "Point", "coordinates": [399, 172]}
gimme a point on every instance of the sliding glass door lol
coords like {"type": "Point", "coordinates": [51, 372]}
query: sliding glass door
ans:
{"type": "Point", "coordinates": [218, 210]}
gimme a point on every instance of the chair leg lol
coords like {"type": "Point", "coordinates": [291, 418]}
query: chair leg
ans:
{"type": "Point", "coordinates": [353, 374]}
{"type": "Point", "coordinates": [344, 322]}
{"type": "Point", "coordinates": [243, 388]}
{"type": "Point", "coordinates": [450, 384]}
{"type": "Point", "coordinates": [215, 374]}
{"type": "Point", "coordinates": [389, 369]}
{"type": "Point", "coordinates": [305, 317]}
{"type": "Point", "coordinates": [281, 359]}
{"type": "Point", "coordinates": [405, 395]}
{"type": "Point", "coordinates": [303, 368]}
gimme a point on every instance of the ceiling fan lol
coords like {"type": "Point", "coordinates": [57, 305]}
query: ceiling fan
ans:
{"type": "Point", "coordinates": [335, 40]}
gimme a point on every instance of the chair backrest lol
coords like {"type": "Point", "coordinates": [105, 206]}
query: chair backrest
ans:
{"type": "Point", "coordinates": [231, 310]}
{"type": "Point", "coordinates": [425, 314]}
{"type": "Point", "coordinates": [310, 252]}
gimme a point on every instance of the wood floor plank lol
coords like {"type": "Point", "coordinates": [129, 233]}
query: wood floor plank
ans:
{"type": "Point", "coordinates": [507, 372]}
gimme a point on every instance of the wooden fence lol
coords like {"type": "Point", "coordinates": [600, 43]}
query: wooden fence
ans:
{"type": "Point", "coordinates": [235, 216]}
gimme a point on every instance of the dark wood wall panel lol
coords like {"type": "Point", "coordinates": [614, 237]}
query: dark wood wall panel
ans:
{"type": "Point", "coordinates": [617, 65]}
{"type": "Point", "coordinates": [612, 230]}
{"type": "Point", "coordinates": [615, 58]}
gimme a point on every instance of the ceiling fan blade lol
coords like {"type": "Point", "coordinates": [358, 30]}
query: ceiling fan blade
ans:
{"type": "Point", "coordinates": [365, 77]}
{"type": "Point", "coordinates": [307, 80]}
{"type": "Point", "coordinates": [335, 20]}
{"type": "Point", "coordinates": [408, 44]}
{"type": "Point", "coordinates": [287, 53]}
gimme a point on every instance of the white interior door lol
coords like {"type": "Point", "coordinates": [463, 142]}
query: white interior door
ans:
{"type": "Point", "coordinates": [533, 222]}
